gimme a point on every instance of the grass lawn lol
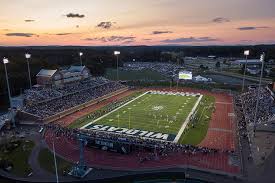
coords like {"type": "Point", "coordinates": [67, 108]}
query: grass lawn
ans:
{"type": "Point", "coordinates": [46, 161]}
{"type": "Point", "coordinates": [152, 112]}
{"type": "Point", "coordinates": [19, 158]}
{"type": "Point", "coordinates": [194, 135]}
{"type": "Point", "coordinates": [134, 75]}
{"type": "Point", "coordinates": [85, 119]}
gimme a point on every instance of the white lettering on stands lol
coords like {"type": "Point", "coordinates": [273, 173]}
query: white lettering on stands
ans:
{"type": "Point", "coordinates": [160, 136]}
{"type": "Point", "coordinates": [96, 127]}
{"type": "Point", "coordinates": [123, 130]}
{"type": "Point", "coordinates": [143, 133]}
{"type": "Point", "coordinates": [132, 132]}
{"type": "Point", "coordinates": [112, 129]}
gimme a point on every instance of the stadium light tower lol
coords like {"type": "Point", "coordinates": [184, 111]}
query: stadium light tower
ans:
{"type": "Point", "coordinates": [28, 56]}
{"type": "Point", "coordinates": [6, 61]}
{"type": "Point", "coordinates": [117, 53]}
{"type": "Point", "coordinates": [246, 53]}
{"type": "Point", "coordinates": [80, 55]}
{"type": "Point", "coordinates": [258, 94]}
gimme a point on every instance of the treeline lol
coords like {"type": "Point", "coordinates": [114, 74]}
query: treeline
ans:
{"type": "Point", "coordinates": [99, 58]}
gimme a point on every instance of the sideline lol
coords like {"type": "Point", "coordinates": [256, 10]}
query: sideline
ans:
{"type": "Point", "coordinates": [187, 120]}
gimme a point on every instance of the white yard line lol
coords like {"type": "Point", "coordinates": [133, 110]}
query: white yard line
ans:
{"type": "Point", "coordinates": [83, 127]}
{"type": "Point", "coordinates": [187, 120]}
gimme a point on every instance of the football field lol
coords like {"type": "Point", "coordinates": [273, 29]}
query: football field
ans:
{"type": "Point", "coordinates": [151, 112]}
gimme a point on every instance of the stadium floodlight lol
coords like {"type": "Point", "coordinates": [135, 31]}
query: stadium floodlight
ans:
{"type": "Point", "coordinates": [80, 55]}
{"type": "Point", "coordinates": [117, 53]}
{"type": "Point", "coordinates": [28, 56]}
{"type": "Point", "coordinates": [246, 53]}
{"type": "Point", "coordinates": [258, 94]}
{"type": "Point", "coordinates": [5, 60]}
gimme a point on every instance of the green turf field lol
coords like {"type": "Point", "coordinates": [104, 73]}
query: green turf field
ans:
{"type": "Point", "coordinates": [134, 75]}
{"type": "Point", "coordinates": [196, 133]}
{"type": "Point", "coordinates": [152, 112]}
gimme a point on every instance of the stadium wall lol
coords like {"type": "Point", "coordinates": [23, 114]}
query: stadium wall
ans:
{"type": "Point", "coordinates": [30, 117]}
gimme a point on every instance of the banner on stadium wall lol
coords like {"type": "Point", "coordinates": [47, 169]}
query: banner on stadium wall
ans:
{"type": "Point", "coordinates": [132, 132]}
{"type": "Point", "coordinates": [185, 75]}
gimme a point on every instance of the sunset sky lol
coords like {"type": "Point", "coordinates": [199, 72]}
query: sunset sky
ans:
{"type": "Point", "coordinates": [136, 22]}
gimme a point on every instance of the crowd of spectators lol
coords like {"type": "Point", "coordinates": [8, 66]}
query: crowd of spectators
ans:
{"type": "Point", "coordinates": [245, 104]}
{"type": "Point", "coordinates": [166, 69]}
{"type": "Point", "coordinates": [81, 93]}
{"type": "Point", "coordinates": [249, 100]}
{"type": "Point", "coordinates": [40, 94]}
{"type": "Point", "coordinates": [3, 119]}
{"type": "Point", "coordinates": [162, 148]}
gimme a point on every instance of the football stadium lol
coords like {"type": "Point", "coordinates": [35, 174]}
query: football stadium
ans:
{"type": "Point", "coordinates": [72, 125]}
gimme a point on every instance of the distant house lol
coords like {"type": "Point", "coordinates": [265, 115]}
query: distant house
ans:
{"type": "Point", "coordinates": [59, 77]}
{"type": "Point", "coordinates": [201, 79]}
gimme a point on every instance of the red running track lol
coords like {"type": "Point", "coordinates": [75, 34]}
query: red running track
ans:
{"type": "Point", "coordinates": [69, 149]}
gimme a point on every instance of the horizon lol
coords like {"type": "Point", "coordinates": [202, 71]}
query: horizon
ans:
{"type": "Point", "coordinates": [218, 45]}
{"type": "Point", "coordinates": [153, 23]}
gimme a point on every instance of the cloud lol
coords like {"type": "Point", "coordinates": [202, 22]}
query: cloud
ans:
{"type": "Point", "coordinates": [252, 28]}
{"type": "Point", "coordinates": [220, 20]}
{"type": "Point", "coordinates": [112, 39]}
{"type": "Point", "coordinates": [62, 34]}
{"type": "Point", "coordinates": [161, 32]}
{"type": "Point", "coordinates": [19, 34]}
{"type": "Point", "coordinates": [128, 42]}
{"type": "Point", "coordinates": [74, 15]}
{"type": "Point", "coordinates": [189, 40]}
{"type": "Point", "coordinates": [105, 25]}
{"type": "Point", "coordinates": [147, 39]}
{"type": "Point", "coordinates": [29, 20]}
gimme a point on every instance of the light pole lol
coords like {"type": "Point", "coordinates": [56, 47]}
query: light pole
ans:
{"type": "Point", "coordinates": [117, 53]}
{"type": "Point", "coordinates": [28, 56]}
{"type": "Point", "coordinates": [246, 53]}
{"type": "Point", "coordinates": [55, 164]}
{"type": "Point", "coordinates": [6, 61]}
{"type": "Point", "coordinates": [258, 94]}
{"type": "Point", "coordinates": [80, 55]}
{"type": "Point", "coordinates": [129, 117]}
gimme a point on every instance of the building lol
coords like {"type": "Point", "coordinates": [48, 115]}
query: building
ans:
{"type": "Point", "coordinates": [59, 77]}
{"type": "Point", "coordinates": [253, 65]}
{"type": "Point", "coordinates": [249, 62]}
{"type": "Point", "coordinates": [201, 79]}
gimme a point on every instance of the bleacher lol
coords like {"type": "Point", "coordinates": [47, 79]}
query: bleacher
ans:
{"type": "Point", "coordinates": [44, 103]}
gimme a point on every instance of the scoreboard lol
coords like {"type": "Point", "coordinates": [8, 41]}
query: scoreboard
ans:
{"type": "Point", "coordinates": [185, 75]}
